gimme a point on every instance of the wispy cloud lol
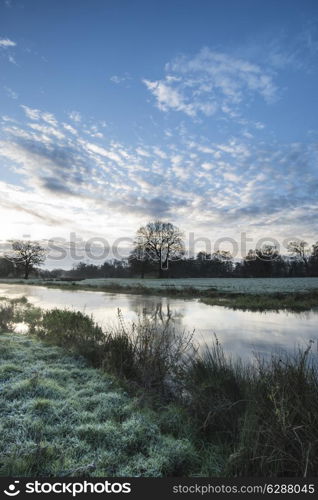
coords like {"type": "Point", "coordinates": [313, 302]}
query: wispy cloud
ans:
{"type": "Point", "coordinates": [36, 114]}
{"type": "Point", "coordinates": [118, 79]}
{"type": "Point", "coordinates": [170, 98]}
{"type": "Point", "coordinates": [11, 93]}
{"type": "Point", "coordinates": [5, 46]}
{"type": "Point", "coordinates": [75, 116]}
{"type": "Point", "coordinates": [299, 53]}
{"type": "Point", "coordinates": [211, 82]}
{"type": "Point", "coordinates": [6, 42]}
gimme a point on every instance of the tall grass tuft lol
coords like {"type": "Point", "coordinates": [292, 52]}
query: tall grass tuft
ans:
{"type": "Point", "coordinates": [216, 392]}
{"type": "Point", "coordinates": [148, 353]}
{"type": "Point", "coordinates": [279, 434]}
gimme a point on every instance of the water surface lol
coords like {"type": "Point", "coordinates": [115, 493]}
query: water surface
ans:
{"type": "Point", "coordinates": [241, 333]}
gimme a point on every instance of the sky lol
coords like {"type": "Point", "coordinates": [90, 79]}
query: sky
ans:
{"type": "Point", "coordinates": [198, 112]}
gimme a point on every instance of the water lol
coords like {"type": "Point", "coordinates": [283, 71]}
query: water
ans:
{"type": "Point", "coordinates": [241, 333]}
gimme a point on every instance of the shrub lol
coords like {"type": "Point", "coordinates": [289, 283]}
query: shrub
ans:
{"type": "Point", "coordinates": [6, 316]}
{"type": "Point", "coordinates": [72, 330]}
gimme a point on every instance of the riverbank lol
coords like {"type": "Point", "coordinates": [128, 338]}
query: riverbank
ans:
{"type": "Point", "coordinates": [292, 301]}
{"type": "Point", "coordinates": [187, 413]}
{"type": "Point", "coordinates": [61, 417]}
{"type": "Point", "coordinates": [253, 294]}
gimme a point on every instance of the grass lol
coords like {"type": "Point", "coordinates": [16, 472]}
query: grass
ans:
{"type": "Point", "coordinates": [292, 301]}
{"type": "Point", "coordinates": [153, 405]}
{"type": "Point", "coordinates": [222, 285]}
{"type": "Point", "coordinates": [266, 414]}
{"type": "Point", "coordinates": [61, 417]}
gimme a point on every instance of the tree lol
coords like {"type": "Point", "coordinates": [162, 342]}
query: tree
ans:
{"type": "Point", "coordinates": [269, 259]}
{"type": "Point", "coordinates": [161, 242]}
{"type": "Point", "coordinates": [218, 263]}
{"type": "Point", "coordinates": [299, 249]}
{"type": "Point", "coordinates": [139, 263]}
{"type": "Point", "coordinates": [264, 261]}
{"type": "Point", "coordinates": [6, 268]}
{"type": "Point", "coordinates": [313, 260]}
{"type": "Point", "coordinates": [26, 255]}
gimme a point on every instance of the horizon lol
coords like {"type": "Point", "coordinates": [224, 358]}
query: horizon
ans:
{"type": "Point", "coordinates": [117, 113]}
{"type": "Point", "coordinates": [97, 251]}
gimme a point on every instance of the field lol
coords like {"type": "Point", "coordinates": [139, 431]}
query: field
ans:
{"type": "Point", "coordinates": [222, 285]}
{"type": "Point", "coordinates": [226, 285]}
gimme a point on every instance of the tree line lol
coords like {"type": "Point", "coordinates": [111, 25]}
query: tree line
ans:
{"type": "Point", "coordinates": [159, 252]}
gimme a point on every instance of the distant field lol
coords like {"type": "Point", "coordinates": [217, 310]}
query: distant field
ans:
{"type": "Point", "coordinates": [232, 285]}
{"type": "Point", "coordinates": [223, 285]}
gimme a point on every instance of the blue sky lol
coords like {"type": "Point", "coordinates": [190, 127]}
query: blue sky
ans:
{"type": "Point", "coordinates": [117, 112]}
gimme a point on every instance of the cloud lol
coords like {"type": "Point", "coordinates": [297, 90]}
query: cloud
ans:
{"type": "Point", "coordinates": [6, 42]}
{"type": "Point", "coordinates": [36, 115]}
{"type": "Point", "coordinates": [94, 148]}
{"type": "Point", "coordinates": [43, 216]}
{"type": "Point", "coordinates": [75, 116]}
{"type": "Point", "coordinates": [12, 60]}
{"type": "Point", "coordinates": [169, 98]}
{"type": "Point", "coordinates": [47, 130]}
{"type": "Point", "coordinates": [11, 93]}
{"type": "Point", "coordinates": [211, 82]}
{"type": "Point", "coordinates": [196, 182]}
{"type": "Point", "coordinates": [33, 114]}
{"type": "Point", "coordinates": [47, 163]}
{"type": "Point", "coordinates": [298, 53]}
{"type": "Point", "coordinates": [118, 79]}
{"type": "Point", "coordinates": [69, 128]}
{"type": "Point", "coordinates": [5, 45]}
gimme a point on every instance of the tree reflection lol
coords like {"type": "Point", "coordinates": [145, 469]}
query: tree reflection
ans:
{"type": "Point", "coordinates": [156, 309]}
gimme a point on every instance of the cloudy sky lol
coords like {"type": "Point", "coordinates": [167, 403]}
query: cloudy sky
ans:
{"type": "Point", "coordinates": [117, 112]}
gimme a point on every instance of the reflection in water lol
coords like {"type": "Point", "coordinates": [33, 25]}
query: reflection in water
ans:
{"type": "Point", "coordinates": [157, 309]}
{"type": "Point", "coordinates": [240, 332]}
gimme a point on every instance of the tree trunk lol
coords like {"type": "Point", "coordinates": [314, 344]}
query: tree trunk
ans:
{"type": "Point", "coordinates": [142, 271]}
{"type": "Point", "coordinates": [306, 266]}
{"type": "Point", "coordinates": [160, 272]}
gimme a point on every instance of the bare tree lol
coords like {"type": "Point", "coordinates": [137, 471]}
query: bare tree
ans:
{"type": "Point", "coordinates": [161, 242]}
{"type": "Point", "coordinates": [299, 248]}
{"type": "Point", "coordinates": [26, 254]}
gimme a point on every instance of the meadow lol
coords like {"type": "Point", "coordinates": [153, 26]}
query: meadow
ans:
{"type": "Point", "coordinates": [61, 417]}
{"type": "Point", "coordinates": [258, 286]}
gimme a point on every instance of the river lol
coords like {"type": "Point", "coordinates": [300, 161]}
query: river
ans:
{"type": "Point", "coordinates": [241, 333]}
